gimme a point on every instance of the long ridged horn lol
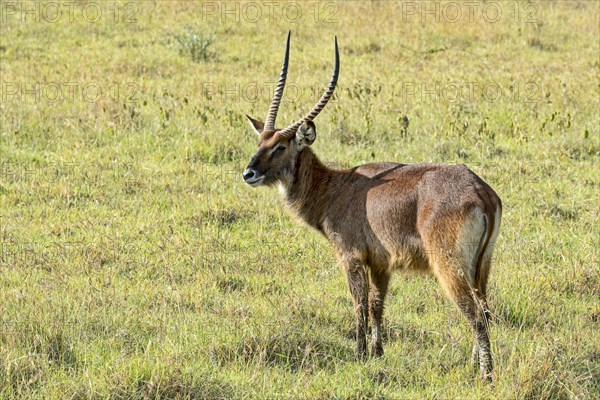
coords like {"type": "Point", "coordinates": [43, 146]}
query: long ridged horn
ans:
{"type": "Point", "coordinates": [272, 114]}
{"type": "Point", "coordinates": [290, 130]}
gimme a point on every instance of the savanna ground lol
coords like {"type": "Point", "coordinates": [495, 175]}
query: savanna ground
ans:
{"type": "Point", "coordinates": [136, 263]}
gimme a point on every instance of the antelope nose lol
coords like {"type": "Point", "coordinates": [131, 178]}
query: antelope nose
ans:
{"type": "Point", "coordinates": [248, 174]}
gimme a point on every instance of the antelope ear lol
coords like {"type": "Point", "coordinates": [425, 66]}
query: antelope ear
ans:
{"type": "Point", "coordinates": [257, 125]}
{"type": "Point", "coordinates": [306, 134]}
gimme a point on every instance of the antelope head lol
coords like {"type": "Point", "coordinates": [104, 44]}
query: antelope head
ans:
{"type": "Point", "coordinates": [278, 149]}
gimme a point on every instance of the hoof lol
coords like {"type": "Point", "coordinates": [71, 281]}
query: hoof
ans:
{"type": "Point", "coordinates": [377, 351]}
{"type": "Point", "coordinates": [361, 355]}
{"type": "Point", "coordinates": [486, 378]}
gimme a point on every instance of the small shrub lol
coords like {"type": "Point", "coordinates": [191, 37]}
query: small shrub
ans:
{"type": "Point", "coordinates": [195, 44]}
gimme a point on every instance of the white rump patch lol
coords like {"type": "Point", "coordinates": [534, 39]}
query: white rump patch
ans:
{"type": "Point", "coordinates": [470, 241]}
{"type": "Point", "coordinates": [490, 248]}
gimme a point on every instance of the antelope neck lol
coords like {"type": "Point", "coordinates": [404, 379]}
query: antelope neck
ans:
{"type": "Point", "coordinates": [307, 193]}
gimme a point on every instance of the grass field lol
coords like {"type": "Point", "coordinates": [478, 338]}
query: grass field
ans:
{"type": "Point", "coordinates": [136, 264]}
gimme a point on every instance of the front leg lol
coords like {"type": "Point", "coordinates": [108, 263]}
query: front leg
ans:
{"type": "Point", "coordinates": [358, 282]}
{"type": "Point", "coordinates": [378, 290]}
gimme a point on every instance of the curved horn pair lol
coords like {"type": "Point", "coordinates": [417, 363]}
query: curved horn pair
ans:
{"type": "Point", "coordinates": [272, 115]}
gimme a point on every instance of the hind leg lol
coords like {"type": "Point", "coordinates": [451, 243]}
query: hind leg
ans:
{"type": "Point", "coordinates": [475, 352]}
{"type": "Point", "coordinates": [482, 276]}
{"type": "Point", "coordinates": [480, 331]}
{"type": "Point", "coordinates": [482, 286]}
{"type": "Point", "coordinates": [480, 293]}
{"type": "Point", "coordinates": [458, 288]}
{"type": "Point", "coordinates": [481, 316]}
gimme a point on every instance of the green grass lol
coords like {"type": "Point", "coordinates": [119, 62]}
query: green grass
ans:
{"type": "Point", "coordinates": [136, 263]}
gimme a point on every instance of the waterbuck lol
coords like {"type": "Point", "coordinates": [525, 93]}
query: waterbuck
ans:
{"type": "Point", "coordinates": [384, 217]}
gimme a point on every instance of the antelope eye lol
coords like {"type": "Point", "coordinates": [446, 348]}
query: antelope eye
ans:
{"type": "Point", "coordinates": [278, 150]}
